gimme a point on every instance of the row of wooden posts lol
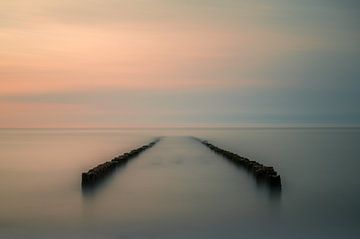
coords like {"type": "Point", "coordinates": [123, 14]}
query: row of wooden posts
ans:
{"type": "Point", "coordinates": [101, 171]}
{"type": "Point", "coordinates": [261, 172]}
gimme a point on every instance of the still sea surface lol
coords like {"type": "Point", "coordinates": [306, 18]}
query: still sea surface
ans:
{"type": "Point", "coordinates": [179, 188]}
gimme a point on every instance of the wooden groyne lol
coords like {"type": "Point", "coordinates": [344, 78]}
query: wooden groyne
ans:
{"type": "Point", "coordinates": [98, 173]}
{"type": "Point", "coordinates": [261, 172]}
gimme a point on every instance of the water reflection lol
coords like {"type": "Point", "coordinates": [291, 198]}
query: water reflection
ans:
{"type": "Point", "coordinates": [273, 189]}
{"type": "Point", "coordinates": [96, 177]}
{"type": "Point", "coordinates": [89, 191]}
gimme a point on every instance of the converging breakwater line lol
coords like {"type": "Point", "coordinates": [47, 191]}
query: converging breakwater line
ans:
{"type": "Point", "coordinates": [261, 172]}
{"type": "Point", "coordinates": [101, 171]}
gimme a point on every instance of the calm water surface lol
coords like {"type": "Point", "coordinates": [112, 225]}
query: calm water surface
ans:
{"type": "Point", "coordinates": [179, 188]}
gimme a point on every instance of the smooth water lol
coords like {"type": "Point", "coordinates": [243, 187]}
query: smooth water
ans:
{"type": "Point", "coordinates": [179, 188]}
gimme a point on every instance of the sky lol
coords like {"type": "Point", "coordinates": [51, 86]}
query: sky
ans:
{"type": "Point", "coordinates": [179, 63]}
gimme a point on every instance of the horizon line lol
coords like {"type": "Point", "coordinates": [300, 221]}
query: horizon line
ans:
{"type": "Point", "coordinates": [184, 127]}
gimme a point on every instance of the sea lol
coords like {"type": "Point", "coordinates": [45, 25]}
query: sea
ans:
{"type": "Point", "coordinates": [179, 188]}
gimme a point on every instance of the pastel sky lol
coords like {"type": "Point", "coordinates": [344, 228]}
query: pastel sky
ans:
{"type": "Point", "coordinates": [130, 63]}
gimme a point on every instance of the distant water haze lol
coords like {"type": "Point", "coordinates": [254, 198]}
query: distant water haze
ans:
{"type": "Point", "coordinates": [179, 188]}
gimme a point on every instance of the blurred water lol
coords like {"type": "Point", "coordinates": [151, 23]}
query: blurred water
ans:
{"type": "Point", "coordinates": [179, 188]}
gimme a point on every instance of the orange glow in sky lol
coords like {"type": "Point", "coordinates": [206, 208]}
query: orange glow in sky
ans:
{"type": "Point", "coordinates": [64, 47]}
